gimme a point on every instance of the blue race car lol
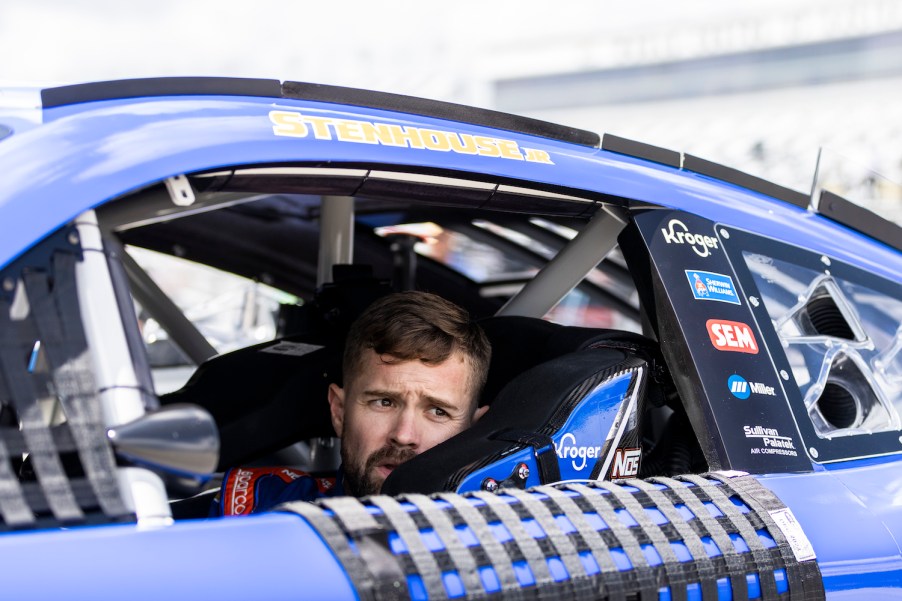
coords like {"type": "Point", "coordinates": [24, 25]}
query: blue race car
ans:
{"type": "Point", "coordinates": [695, 387]}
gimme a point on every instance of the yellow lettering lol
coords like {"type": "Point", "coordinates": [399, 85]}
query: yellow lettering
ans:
{"type": "Point", "coordinates": [350, 131]}
{"type": "Point", "coordinates": [288, 123]}
{"type": "Point", "coordinates": [321, 127]}
{"type": "Point", "coordinates": [407, 136]}
{"type": "Point", "coordinates": [509, 150]}
{"type": "Point", "coordinates": [435, 140]}
{"type": "Point", "coordinates": [462, 143]}
{"type": "Point", "coordinates": [537, 156]}
{"type": "Point", "coordinates": [379, 133]}
{"type": "Point", "coordinates": [488, 147]}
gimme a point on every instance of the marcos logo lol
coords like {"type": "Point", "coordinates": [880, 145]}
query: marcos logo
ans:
{"type": "Point", "coordinates": [732, 336]}
{"type": "Point", "coordinates": [676, 232]}
{"type": "Point", "coordinates": [568, 449]}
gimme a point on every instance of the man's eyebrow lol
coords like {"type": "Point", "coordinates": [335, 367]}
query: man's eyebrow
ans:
{"type": "Point", "coordinates": [442, 404]}
{"type": "Point", "coordinates": [381, 393]}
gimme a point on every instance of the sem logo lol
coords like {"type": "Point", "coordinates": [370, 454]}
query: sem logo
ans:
{"type": "Point", "coordinates": [676, 232]}
{"type": "Point", "coordinates": [743, 389]}
{"type": "Point", "coordinates": [626, 463]}
{"type": "Point", "coordinates": [568, 449]}
{"type": "Point", "coordinates": [732, 336]}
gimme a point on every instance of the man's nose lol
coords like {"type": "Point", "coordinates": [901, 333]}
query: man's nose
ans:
{"type": "Point", "coordinates": [405, 432]}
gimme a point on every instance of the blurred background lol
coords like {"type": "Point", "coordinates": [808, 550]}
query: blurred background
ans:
{"type": "Point", "coordinates": [759, 86]}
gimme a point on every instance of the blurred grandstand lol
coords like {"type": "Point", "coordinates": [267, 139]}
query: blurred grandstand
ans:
{"type": "Point", "coordinates": [761, 92]}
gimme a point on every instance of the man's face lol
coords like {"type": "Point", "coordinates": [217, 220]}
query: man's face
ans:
{"type": "Point", "coordinates": [394, 411]}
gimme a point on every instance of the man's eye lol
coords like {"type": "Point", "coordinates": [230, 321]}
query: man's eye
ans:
{"type": "Point", "coordinates": [381, 402]}
{"type": "Point", "coordinates": [439, 412]}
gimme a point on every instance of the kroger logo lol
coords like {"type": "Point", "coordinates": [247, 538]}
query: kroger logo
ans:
{"type": "Point", "coordinates": [580, 455]}
{"type": "Point", "coordinates": [676, 232]}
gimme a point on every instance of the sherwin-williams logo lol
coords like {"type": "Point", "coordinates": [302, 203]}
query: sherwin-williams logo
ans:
{"type": "Point", "coordinates": [676, 232]}
{"type": "Point", "coordinates": [580, 455]}
{"type": "Point", "coordinates": [743, 389]}
{"type": "Point", "coordinates": [711, 286]}
{"type": "Point", "coordinates": [733, 336]}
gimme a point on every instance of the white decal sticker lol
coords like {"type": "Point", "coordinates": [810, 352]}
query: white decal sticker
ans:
{"type": "Point", "coordinates": [795, 536]}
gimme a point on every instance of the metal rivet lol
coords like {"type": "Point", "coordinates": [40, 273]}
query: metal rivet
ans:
{"type": "Point", "coordinates": [813, 452]}
{"type": "Point", "coordinates": [73, 238]}
{"type": "Point", "coordinates": [784, 374]}
{"type": "Point", "coordinates": [825, 260]}
{"type": "Point", "coordinates": [523, 471]}
{"type": "Point", "coordinates": [725, 234]}
{"type": "Point", "coordinates": [753, 300]}
{"type": "Point", "coordinates": [490, 485]}
{"type": "Point", "coordinates": [9, 284]}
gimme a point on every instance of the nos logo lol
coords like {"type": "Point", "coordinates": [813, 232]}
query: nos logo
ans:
{"type": "Point", "coordinates": [626, 463]}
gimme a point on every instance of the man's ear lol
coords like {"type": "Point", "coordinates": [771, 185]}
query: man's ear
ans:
{"type": "Point", "coordinates": [479, 413]}
{"type": "Point", "coordinates": [337, 407]}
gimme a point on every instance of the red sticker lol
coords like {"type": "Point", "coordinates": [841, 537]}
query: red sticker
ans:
{"type": "Point", "coordinates": [732, 336]}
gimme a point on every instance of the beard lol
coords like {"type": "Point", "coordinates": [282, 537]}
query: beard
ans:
{"type": "Point", "coordinates": [362, 480]}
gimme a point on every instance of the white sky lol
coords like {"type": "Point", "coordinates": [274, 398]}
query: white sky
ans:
{"type": "Point", "coordinates": [405, 46]}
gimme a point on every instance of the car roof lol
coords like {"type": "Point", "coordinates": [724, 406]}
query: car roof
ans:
{"type": "Point", "coordinates": [96, 142]}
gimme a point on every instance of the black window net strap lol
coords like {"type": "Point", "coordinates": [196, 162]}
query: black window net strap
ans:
{"type": "Point", "coordinates": [762, 562]}
{"type": "Point", "coordinates": [13, 507]}
{"type": "Point", "coordinates": [21, 392]}
{"type": "Point", "coordinates": [803, 576]}
{"type": "Point", "coordinates": [496, 555]}
{"type": "Point", "coordinates": [535, 544]}
{"type": "Point", "coordinates": [675, 572]}
{"type": "Point", "coordinates": [422, 558]}
{"type": "Point", "coordinates": [708, 526]}
{"type": "Point", "coordinates": [701, 569]}
{"type": "Point", "coordinates": [373, 568]}
{"type": "Point", "coordinates": [561, 545]}
{"type": "Point", "coordinates": [613, 587]}
{"type": "Point", "coordinates": [645, 582]}
{"type": "Point", "coordinates": [461, 558]}
{"type": "Point", "coordinates": [59, 325]}
{"type": "Point", "coordinates": [525, 543]}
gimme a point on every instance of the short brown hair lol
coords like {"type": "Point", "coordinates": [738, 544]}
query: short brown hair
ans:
{"type": "Point", "coordinates": [418, 325]}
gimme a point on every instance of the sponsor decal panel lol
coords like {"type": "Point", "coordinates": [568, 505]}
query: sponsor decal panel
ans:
{"type": "Point", "coordinates": [579, 455]}
{"type": "Point", "coordinates": [707, 285]}
{"type": "Point", "coordinates": [743, 389]}
{"type": "Point", "coordinates": [768, 441]}
{"type": "Point", "coordinates": [626, 463]}
{"type": "Point", "coordinates": [676, 232]}
{"type": "Point", "coordinates": [294, 124]}
{"type": "Point", "coordinates": [733, 336]}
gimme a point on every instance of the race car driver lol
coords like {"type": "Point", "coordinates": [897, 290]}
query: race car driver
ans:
{"type": "Point", "coordinates": [414, 365]}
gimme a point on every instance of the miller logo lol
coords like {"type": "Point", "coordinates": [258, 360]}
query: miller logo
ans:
{"type": "Point", "coordinates": [626, 463]}
{"type": "Point", "coordinates": [676, 232]}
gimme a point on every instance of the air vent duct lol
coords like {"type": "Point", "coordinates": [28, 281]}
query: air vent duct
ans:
{"type": "Point", "coordinates": [843, 401]}
{"type": "Point", "coordinates": [825, 318]}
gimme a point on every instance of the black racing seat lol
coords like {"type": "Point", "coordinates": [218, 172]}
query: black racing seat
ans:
{"type": "Point", "coordinates": [551, 382]}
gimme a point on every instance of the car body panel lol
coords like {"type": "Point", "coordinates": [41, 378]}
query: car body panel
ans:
{"type": "Point", "coordinates": [83, 155]}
